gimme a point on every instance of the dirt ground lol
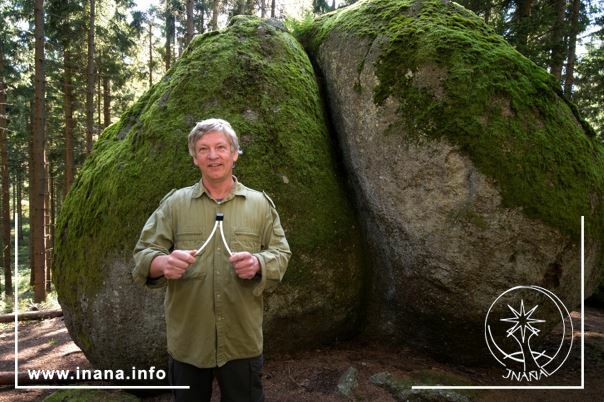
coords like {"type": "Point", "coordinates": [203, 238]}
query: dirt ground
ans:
{"type": "Point", "coordinates": [313, 375]}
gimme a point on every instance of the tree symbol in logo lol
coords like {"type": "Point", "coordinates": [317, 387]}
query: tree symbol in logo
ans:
{"type": "Point", "coordinates": [523, 321]}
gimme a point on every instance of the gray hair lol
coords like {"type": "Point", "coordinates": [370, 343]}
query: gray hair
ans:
{"type": "Point", "coordinates": [208, 126]}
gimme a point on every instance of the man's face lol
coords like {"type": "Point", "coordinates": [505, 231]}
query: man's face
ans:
{"type": "Point", "coordinates": [214, 157]}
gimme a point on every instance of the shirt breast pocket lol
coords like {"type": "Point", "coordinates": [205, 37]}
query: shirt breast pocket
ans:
{"type": "Point", "coordinates": [246, 240]}
{"type": "Point", "coordinates": [191, 240]}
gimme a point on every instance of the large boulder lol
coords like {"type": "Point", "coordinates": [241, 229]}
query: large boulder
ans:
{"type": "Point", "coordinates": [471, 169]}
{"type": "Point", "coordinates": [257, 76]}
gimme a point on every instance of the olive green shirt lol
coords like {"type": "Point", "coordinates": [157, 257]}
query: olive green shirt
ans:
{"type": "Point", "coordinates": [212, 315]}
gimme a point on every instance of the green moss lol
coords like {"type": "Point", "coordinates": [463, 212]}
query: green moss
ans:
{"type": "Point", "coordinates": [498, 107]}
{"type": "Point", "coordinates": [258, 77]}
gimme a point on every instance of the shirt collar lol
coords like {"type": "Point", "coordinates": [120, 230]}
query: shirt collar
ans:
{"type": "Point", "coordinates": [199, 190]}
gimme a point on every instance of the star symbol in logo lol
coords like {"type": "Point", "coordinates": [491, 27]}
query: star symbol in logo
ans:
{"type": "Point", "coordinates": [522, 321]}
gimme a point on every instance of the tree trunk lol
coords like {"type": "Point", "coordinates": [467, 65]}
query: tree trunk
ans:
{"type": "Point", "coordinates": [189, 34]}
{"type": "Point", "coordinates": [522, 24]}
{"type": "Point", "coordinates": [239, 7]}
{"type": "Point", "coordinates": [90, 81]}
{"type": "Point", "coordinates": [249, 7]}
{"type": "Point", "coordinates": [202, 17]}
{"type": "Point", "coordinates": [106, 101]}
{"type": "Point", "coordinates": [30, 195]}
{"type": "Point", "coordinates": [569, 79]}
{"type": "Point", "coordinates": [31, 315]}
{"type": "Point", "coordinates": [99, 124]}
{"type": "Point", "coordinates": [19, 208]}
{"type": "Point", "coordinates": [37, 181]}
{"type": "Point", "coordinates": [263, 8]}
{"type": "Point", "coordinates": [273, 7]}
{"type": "Point", "coordinates": [215, 11]}
{"type": "Point", "coordinates": [177, 44]}
{"type": "Point", "coordinates": [169, 33]}
{"type": "Point", "coordinates": [557, 41]}
{"type": "Point", "coordinates": [6, 222]}
{"type": "Point", "coordinates": [68, 113]}
{"type": "Point", "coordinates": [150, 53]}
{"type": "Point", "coordinates": [487, 11]}
{"type": "Point", "coordinates": [47, 222]}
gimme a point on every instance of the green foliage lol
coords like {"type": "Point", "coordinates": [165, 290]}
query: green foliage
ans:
{"type": "Point", "coordinates": [321, 6]}
{"type": "Point", "coordinates": [589, 93]}
{"type": "Point", "coordinates": [498, 107]}
{"type": "Point", "coordinates": [532, 35]}
{"type": "Point", "coordinates": [298, 26]}
{"type": "Point", "coordinates": [26, 295]}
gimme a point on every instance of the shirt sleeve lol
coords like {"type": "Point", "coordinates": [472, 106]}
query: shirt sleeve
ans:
{"type": "Point", "coordinates": [156, 239]}
{"type": "Point", "coordinates": [275, 254]}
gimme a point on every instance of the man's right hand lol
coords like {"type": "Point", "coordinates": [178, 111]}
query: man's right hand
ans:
{"type": "Point", "coordinates": [172, 266]}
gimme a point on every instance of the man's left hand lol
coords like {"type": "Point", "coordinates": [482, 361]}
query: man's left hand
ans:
{"type": "Point", "coordinates": [246, 265]}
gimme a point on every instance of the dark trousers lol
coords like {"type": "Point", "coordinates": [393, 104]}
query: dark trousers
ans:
{"type": "Point", "coordinates": [239, 381]}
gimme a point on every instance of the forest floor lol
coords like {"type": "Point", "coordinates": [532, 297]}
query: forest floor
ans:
{"type": "Point", "coordinates": [314, 375]}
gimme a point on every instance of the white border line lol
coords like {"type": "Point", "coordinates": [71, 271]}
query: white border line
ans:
{"type": "Point", "coordinates": [582, 386]}
{"type": "Point", "coordinates": [16, 305]}
{"type": "Point", "coordinates": [582, 302]}
{"type": "Point", "coordinates": [16, 309]}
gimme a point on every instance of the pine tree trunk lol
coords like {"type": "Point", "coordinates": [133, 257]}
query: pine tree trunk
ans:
{"type": "Point", "coordinates": [522, 22]}
{"type": "Point", "coordinates": [6, 222]}
{"type": "Point", "coordinates": [201, 20]}
{"type": "Point", "coordinates": [273, 7]}
{"type": "Point", "coordinates": [215, 11]}
{"type": "Point", "coordinates": [106, 101]}
{"type": "Point", "coordinates": [557, 41]}
{"type": "Point", "coordinates": [68, 113]}
{"type": "Point", "coordinates": [19, 208]}
{"type": "Point", "coordinates": [169, 34]}
{"type": "Point", "coordinates": [32, 273]}
{"type": "Point", "coordinates": [98, 96]}
{"type": "Point", "coordinates": [37, 182]}
{"type": "Point", "coordinates": [249, 7]}
{"type": "Point", "coordinates": [238, 7]}
{"type": "Point", "coordinates": [47, 223]}
{"type": "Point", "coordinates": [189, 34]}
{"type": "Point", "coordinates": [150, 54]}
{"type": "Point", "coordinates": [30, 194]}
{"type": "Point", "coordinates": [90, 80]}
{"type": "Point", "coordinates": [263, 9]}
{"type": "Point", "coordinates": [487, 11]}
{"type": "Point", "coordinates": [569, 78]}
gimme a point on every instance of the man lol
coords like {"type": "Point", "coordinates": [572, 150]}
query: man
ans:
{"type": "Point", "coordinates": [213, 303]}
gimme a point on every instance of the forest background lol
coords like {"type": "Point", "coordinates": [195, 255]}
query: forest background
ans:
{"type": "Point", "coordinates": [70, 68]}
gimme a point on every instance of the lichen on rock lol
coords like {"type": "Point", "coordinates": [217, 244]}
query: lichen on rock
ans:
{"type": "Point", "coordinates": [255, 75]}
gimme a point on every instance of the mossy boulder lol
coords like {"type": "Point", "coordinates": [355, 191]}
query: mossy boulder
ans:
{"type": "Point", "coordinates": [258, 77]}
{"type": "Point", "coordinates": [472, 169]}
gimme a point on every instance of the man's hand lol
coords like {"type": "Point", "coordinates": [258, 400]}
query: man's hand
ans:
{"type": "Point", "coordinates": [172, 266]}
{"type": "Point", "coordinates": [246, 265]}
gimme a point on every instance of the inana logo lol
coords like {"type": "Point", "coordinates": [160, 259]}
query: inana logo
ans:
{"type": "Point", "coordinates": [513, 325]}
